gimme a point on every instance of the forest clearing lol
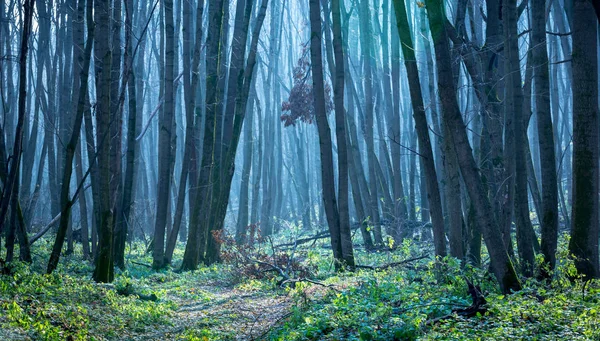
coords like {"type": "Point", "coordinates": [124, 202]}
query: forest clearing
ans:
{"type": "Point", "coordinates": [299, 170]}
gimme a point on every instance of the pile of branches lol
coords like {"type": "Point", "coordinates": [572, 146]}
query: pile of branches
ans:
{"type": "Point", "coordinates": [250, 261]}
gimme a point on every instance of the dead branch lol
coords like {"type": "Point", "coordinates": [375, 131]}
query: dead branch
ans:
{"type": "Point", "coordinates": [478, 306]}
{"type": "Point", "coordinates": [391, 265]}
{"type": "Point", "coordinates": [293, 281]}
{"type": "Point", "coordinates": [142, 264]}
{"type": "Point", "coordinates": [404, 310]}
{"type": "Point", "coordinates": [320, 235]}
{"type": "Point", "coordinates": [273, 266]}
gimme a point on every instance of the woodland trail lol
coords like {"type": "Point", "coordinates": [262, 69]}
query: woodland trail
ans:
{"type": "Point", "coordinates": [233, 314]}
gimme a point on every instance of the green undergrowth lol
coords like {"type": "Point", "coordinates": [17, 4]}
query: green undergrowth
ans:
{"type": "Point", "coordinates": [69, 305]}
{"type": "Point", "coordinates": [415, 302]}
{"type": "Point", "coordinates": [410, 301]}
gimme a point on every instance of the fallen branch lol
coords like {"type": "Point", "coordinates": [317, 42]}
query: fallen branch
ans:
{"type": "Point", "coordinates": [274, 267]}
{"type": "Point", "coordinates": [142, 264]}
{"type": "Point", "coordinates": [45, 229]}
{"type": "Point", "coordinates": [129, 290]}
{"type": "Point", "coordinates": [320, 235]}
{"type": "Point", "coordinates": [478, 306]}
{"type": "Point", "coordinates": [404, 310]}
{"type": "Point", "coordinates": [391, 265]}
{"type": "Point", "coordinates": [293, 282]}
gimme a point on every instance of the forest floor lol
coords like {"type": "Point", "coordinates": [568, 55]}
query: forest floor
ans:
{"type": "Point", "coordinates": [247, 298]}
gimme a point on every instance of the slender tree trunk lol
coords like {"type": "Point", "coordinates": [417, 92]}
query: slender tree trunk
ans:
{"type": "Point", "coordinates": [241, 103]}
{"type": "Point", "coordinates": [166, 149]}
{"type": "Point", "coordinates": [124, 219]}
{"type": "Point", "coordinates": [104, 271]}
{"type": "Point", "coordinates": [341, 137]}
{"type": "Point", "coordinates": [191, 66]}
{"type": "Point", "coordinates": [83, 207]}
{"type": "Point", "coordinates": [66, 202]}
{"type": "Point", "coordinates": [11, 186]}
{"type": "Point", "coordinates": [501, 263]}
{"type": "Point", "coordinates": [549, 212]}
{"type": "Point", "coordinates": [196, 234]}
{"type": "Point", "coordinates": [399, 197]}
{"type": "Point", "coordinates": [327, 176]}
{"type": "Point", "coordinates": [242, 219]}
{"type": "Point", "coordinates": [369, 63]}
{"type": "Point", "coordinates": [422, 130]}
{"type": "Point", "coordinates": [514, 112]}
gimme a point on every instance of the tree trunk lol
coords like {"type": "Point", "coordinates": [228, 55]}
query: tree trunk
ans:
{"type": "Point", "coordinates": [341, 137]}
{"type": "Point", "coordinates": [104, 271]}
{"type": "Point", "coordinates": [66, 202]}
{"type": "Point", "coordinates": [191, 66]}
{"type": "Point", "coordinates": [196, 244]}
{"type": "Point", "coordinates": [369, 63]}
{"type": "Point", "coordinates": [242, 219]}
{"type": "Point", "coordinates": [422, 130]}
{"type": "Point", "coordinates": [166, 149]}
{"type": "Point", "coordinates": [549, 212]}
{"type": "Point", "coordinates": [123, 220]}
{"type": "Point", "coordinates": [584, 229]}
{"type": "Point", "coordinates": [518, 164]}
{"type": "Point", "coordinates": [327, 177]}
{"type": "Point", "coordinates": [11, 186]}
{"type": "Point", "coordinates": [501, 263]}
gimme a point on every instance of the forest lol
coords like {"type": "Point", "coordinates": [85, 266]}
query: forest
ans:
{"type": "Point", "coordinates": [299, 170]}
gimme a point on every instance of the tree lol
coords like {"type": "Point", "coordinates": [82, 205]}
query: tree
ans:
{"type": "Point", "coordinates": [369, 64]}
{"type": "Point", "coordinates": [79, 96]}
{"type": "Point", "coordinates": [194, 249]}
{"type": "Point", "coordinates": [584, 229]}
{"type": "Point", "coordinates": [123, 219]}
{"type": "Point", "coordinates": [549, 212]}
{"type": "Point", "coordinates": [422, 130]}
{"type": "Point", "coordinates": [10, 192]}
{"type": "Point", "coordinates": [500, 262]}
{"type": "Point", "coordinates": [104, 271]}
{"type": "Point", "coordinates": [515, 137]}
{"type": "Point", "coordinates": [342, 252]}
{"type": "Point", "coordinates": [166, 146]}
{"type": "Point", "coordinates": [341, 137]}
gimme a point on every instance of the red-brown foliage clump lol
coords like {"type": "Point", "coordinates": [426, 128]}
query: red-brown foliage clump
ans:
{"type": "Point", "coordinates": [299, 105]}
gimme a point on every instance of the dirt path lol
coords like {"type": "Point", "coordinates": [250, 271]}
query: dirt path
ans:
{"type": "Point", "coordinates": [229, 314]}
